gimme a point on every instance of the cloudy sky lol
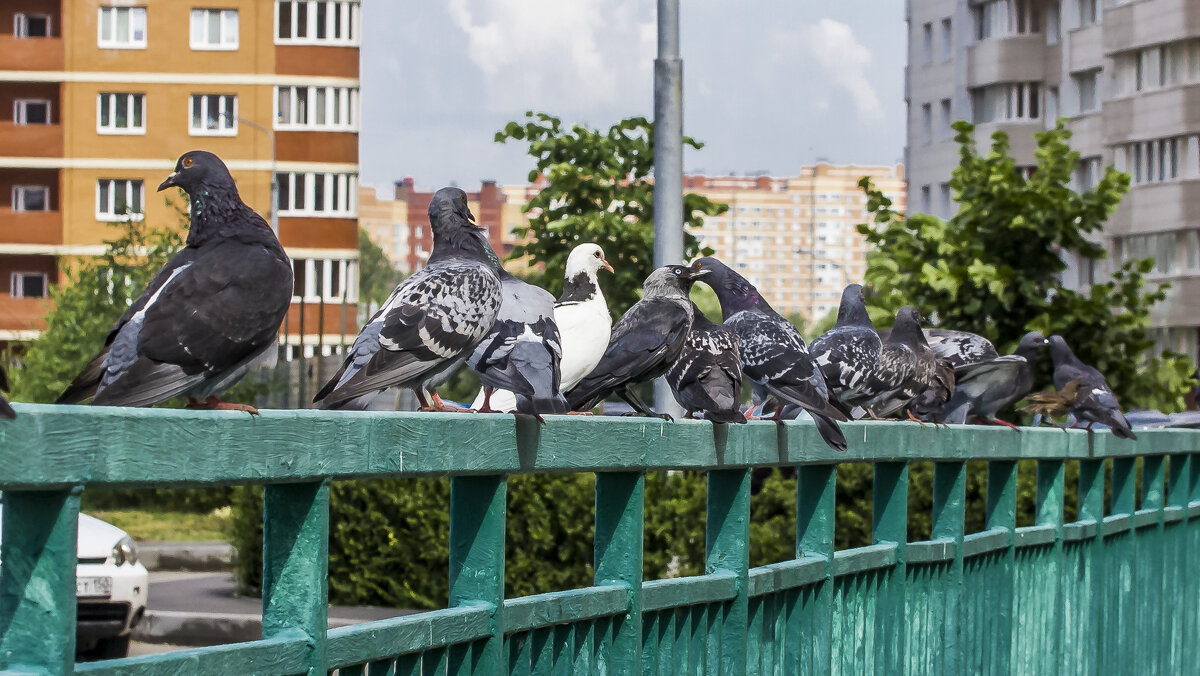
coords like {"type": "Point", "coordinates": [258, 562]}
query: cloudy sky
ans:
{"type": "Point", "coordinates": [769, 85]}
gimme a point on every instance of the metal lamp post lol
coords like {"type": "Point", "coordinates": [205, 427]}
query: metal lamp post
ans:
{"type": "Point", "coordinates": [668, 160]}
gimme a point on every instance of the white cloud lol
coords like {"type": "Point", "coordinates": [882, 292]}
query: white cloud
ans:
{"type": "Point", "coordinates": [559, 55]}
{"type": "Point", "coordinates": [846, 60]}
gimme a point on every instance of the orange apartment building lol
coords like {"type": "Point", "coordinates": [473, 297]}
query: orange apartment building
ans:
{"type": "Point", "coordinates": [98, 98]}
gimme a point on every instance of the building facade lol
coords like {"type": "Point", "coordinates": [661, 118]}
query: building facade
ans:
{"type": "Point", "coordinates": [795, 238]}
{"type": "Point", "coordinates": [98, 98]}
{"type": "Point", "coordinates": [1126, 76]}
{"type": "Point", "coordinates": [385, 221]}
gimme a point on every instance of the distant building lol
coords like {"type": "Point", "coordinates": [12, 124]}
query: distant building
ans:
{"type": "Point", "coordinates": [99, 99]}
{"type": "Point", "coordinates": [386, 224]}
{"type": "Point", "coordinates": [1126, 75]}
{"type": "Point", "coordinates": [794, 238]}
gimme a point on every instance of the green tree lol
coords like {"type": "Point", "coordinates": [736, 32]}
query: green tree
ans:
{"type": "Point", "coordinates": [995, 267]}
{"type": "Point", "coordinates": [376, 276]}
{"type": "Point", "coordinates": [598, 189]}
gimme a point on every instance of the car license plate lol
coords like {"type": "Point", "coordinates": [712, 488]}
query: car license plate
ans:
{"type": "Point", "coordinates": [93, 586]}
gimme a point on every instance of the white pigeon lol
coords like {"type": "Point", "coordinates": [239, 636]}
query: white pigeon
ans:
{"type": "Point", "coordinates": [584, 324]}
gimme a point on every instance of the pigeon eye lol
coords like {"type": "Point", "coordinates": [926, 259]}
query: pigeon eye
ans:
{"type": "Point", "coordinates": [678, 271]}
{"type": "Point", "coordinates": [597, 254]}
{"type": "Point", "coordinates": [187, 162]}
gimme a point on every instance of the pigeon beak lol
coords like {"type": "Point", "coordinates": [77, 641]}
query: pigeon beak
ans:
{"type": "Point", "coordinates": [471, 216]}
{"type": "Point", "coordinates": [696, 273]}
{"type": "Point", "coordinates": [169, 182]}
{"type": "Point", "coordinates": [606, 266]}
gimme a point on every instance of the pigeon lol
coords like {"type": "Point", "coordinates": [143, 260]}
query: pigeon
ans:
{"type": "Point", "coordinates": [210, 315]}
{"type": "Point", "coordinates": [433, 319]}
{"type": "Point", "coordinates": [1096, 402]}
{"type": "Point", "coordinates": [707, 375]}
{"type": "Point", "coordinates": [522, 351]}
{"type": "Point", "coordinates": [6, 411]}
{"type": "Point", "coordinates": [984, 387]}
{"type": "Point", "coordinates": [849, 352]}
{"type": "Point", "coordinates": [960, 347]}
{"type": "Point", "coordinates": [645, 341]}
{"type": "Point", "coordinates": [1053, 404]}
{"type": "Point", "coordinates": [584, 324]}
{"type": "Point", "coordinates": [907, 369]}
{"type": "Point", "coordinates": [773, 353]}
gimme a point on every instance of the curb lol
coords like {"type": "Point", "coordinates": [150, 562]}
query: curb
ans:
{"type": "Point", "coordinates": [197, 556]}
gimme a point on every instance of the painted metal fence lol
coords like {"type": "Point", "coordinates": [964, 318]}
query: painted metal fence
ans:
{"type": "Point", "coordinates": [1113, 593]}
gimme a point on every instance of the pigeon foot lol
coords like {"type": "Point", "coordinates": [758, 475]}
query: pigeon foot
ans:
{"type": "Point", "coordinates": [580, 413]}
{"type": "Point", "coordinates": [914, 418]}
{"type": "Point", "coordinates": [1004, 423]}
{"type": "Point", "coordinates": [212, 403]}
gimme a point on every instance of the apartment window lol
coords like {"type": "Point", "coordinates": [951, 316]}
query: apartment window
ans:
{"type": "Point", "coordinates": [28, 285]}
{"type": "Point", "coordinates": [31, 25]}
{"type": "Point", "coordinates": [944, 200]}
{"type": "Point", "coordinates": [312, 108]}
{"type": "Point", "coordinates": [1087, 86]}
{"type": "Point", "coordinates": [927, 43]}
{"type": "Point", "coordinates": [118, 199]}
{"type": "Point", "coordinates": [31, 111]}
{"type": "Point", "coordinates": [947, 40]}
{"type": "Point", "coordinates": [1157, 67]}
{"type": "Point", "coordinates": [947, 119]}
{"type": "Point", "coordinates": [1089, 12]}
{"type": "Point", "coordinates": [1163, 247]}
{"type": "Point", "coordinates": [1053, 23]}
{"type": "Point", "coordinates": [213, 115]}
{"type": "Point", "coordinates": [926, 123]}
{"type": "Point", "coordinates": [214, 29]}
{"type": "Point", "coordinates": [1009, 101]}
{"type": "Point", "coordinates": [318, 194]}
{"type": "Point", "coordinates": [122, 28]}
{"type": "Point", "coordinates": [1087, 174]}
{"type": "Point", "coordinates": [121, 113]}
{"type": "Point", "coordinates": [331, 280]}
{"type": "Point", "coordinates": [925, 199]}
{"type": "Point", "coordinates": [1154, 161]}
{"type": "Point", "coordinates": [329, 22]}
{"type": "Point", "coordinates": [30, 198]}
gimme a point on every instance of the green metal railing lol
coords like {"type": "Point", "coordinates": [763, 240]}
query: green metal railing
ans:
{"type": "Point", "coordinates": [1106, 594]}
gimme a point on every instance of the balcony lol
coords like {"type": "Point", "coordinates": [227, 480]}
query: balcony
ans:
{"type": "Point", "coordinates": [1152, 207]}
{"type": "Point", "coordinates": [30, 227]}
{"type": "Point", "coordinates": [31, 140]}
{"type": "Point", "coordinates": [1141, 24]}
{"type": "Point", "coordinates": [31, 53]}
{"type": "Point", "coordinates": [1152, 114]}
{"type": "Point", "coordinates": [1019, 58]}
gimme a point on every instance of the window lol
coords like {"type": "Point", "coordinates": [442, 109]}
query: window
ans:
{"type": "Point", "coordinates": [947, 40]}
{"type": "Point", "coordinates": [118, 199]}
{"type": "Point", "coordinates": [331, 280]}
{"type": "Point", "coordinates": [30, 198]}
{"type": "Point", "coordinates": [1086, 85]}
{"type": "Point", "coordinates": [331, 108]}
{"type": "Point", "coordinates": [214, 29]}
{"type": "Point", "coordinates": [28, 285]}
{"type": "Point", "coordinates": [1010, 101]}
{"type": "Point", "coordinates": [1002, 18]}
{"type": "Point", "coordinates": [1154, 161]}
{"type": "Point", "coordinates": [213, 115]}
{"type": "Point", "coordinates": [947, 119]}
{"type": "Point", "coordinates": [925, 205]}
{"type": "Point", "coordinates": [31, 25]}
{"type": "Point", "coordinates": [1156, 67]}
{"type": "Point", "coordinates": [926, 123]}
{"type": "Point", "coordinates": [122, 28]}
{"type": "Point", "coordinates": [316, 194]}
{"type": "Point", "coordinates": [944, 201]}
{"type": "Point", "coordinates": [31, 111]}
{"type": "Point", "coordinates": [927, 43]}
{"type": "Point", "coordinates": [327, 22]}
{"type": "Point", "coordinates": [1053, 24]}
{"type": "Point", "coordinates": [119, 113]}
{"type": "Point", "coordinates": [1087, 174]}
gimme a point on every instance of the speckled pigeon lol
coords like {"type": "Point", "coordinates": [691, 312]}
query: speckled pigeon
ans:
{"type": "Point", "coordinates": [210, 315]}
{"type": "Point", "coordinates": [849, 352]}
{"type": "Point", "coordinates": [984, 387]}
{"type": "Point", "coordinates": [433, 319]}
{"type": "Point", "coordinates": [908, 369]}
{"type": "Point", "coordinates": [707, 376]}
{"type": "Point", "coordinates": [1095, 402]}
{"type": "Point", "coordinates": [773, 353]}
{"type": "Point", "coordinates": [645, 341]}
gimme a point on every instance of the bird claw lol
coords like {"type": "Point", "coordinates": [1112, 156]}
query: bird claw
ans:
{"type": "Point", "coordinates": [212, 403]}
{"type": "Point", "coordinates": [580, 413]}
{"type": "Point", "coordinates": [914, 418]}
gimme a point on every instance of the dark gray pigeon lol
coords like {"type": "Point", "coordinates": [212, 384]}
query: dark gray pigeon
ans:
{"type": "Point", "coordinates": [849, 352]}
{"type": "Point", "coordinates": [208, 316]}
{"type": "Point", "coordinates": [984, 387]}
{"type": "Point", "coordinates": [707, 376]}
{"type": "Point", "coordinates": [908, 369]}
{"type": "Point", "coordinates": [645, 341]}
{"type": "Point", "coordinates": [433, 319]}
{"type": "Point", "coordinates": [1095, 402]}
{"type": "Point", "coordinates": [960, 347]}
{"type": "Point", "coordinates": [773, 353]}
{"type": "Point", "coordinates": [6, 411]}
{"type": "Point", "coordinates": [522, 351]}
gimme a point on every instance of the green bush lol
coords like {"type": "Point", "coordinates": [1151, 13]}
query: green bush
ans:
{"type": "Point", "coordinates": [191, 500]}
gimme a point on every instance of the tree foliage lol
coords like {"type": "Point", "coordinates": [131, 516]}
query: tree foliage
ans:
{"type": "Point", "coordinates": [598, 189]}
{"type": "Point", "coordinates": [995, 268]}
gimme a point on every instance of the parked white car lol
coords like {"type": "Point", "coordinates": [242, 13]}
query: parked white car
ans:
{"type": "Point", "coordinates": [110, 589]}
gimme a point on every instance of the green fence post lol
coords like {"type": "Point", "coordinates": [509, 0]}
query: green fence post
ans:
{"type": "Point", "coordinates": [1091, 508]}
{"type": "Point", "coordinates": [1191, 593]}
{"type": "Point", "coordinates": [37, 581]}
{"type": "Point", "coordinates": [1001, 514]}
{"type": "Point", "coordinates": [477, 517]}
{"type": "Point", "coordinates": [890, 525]}
{"type": "Point", "coordinates": [1152, 567]}
{"type": "Point", "coordinates": [295, 587]}
{"type": "Point", "coordinates": [620, 505]}
{"type": "Point", "coordinates": [727, 546]}
{"type": "Point", "coordinates": [816, 504]}
{"type": "Point", "coordinates": [1175, 581]}
{"type": "Point", "coordinates": [949, 515]}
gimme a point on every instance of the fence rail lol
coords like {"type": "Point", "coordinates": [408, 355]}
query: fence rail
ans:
{"type": "Point", "coordinates": [1113, 592]}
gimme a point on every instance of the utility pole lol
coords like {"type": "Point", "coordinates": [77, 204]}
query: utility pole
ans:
{"type": "Point", "coordinates": [668, 160]}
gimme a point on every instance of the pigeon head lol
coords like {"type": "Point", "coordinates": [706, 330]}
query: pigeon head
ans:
{"type": "Point", "coordinates": [1060, 352]}
{"type": "Point", "coordinates": [454, 230]}
{"type": "Point", "coordinates": [587, 259]}
{"type": "Point", "coordinates": [1032, 342]}
{"type": "Point", "coordinates": [672, 281]}
{"type": "Point", "coordinates": [733, 291]}
{"type": "Point", "coordinates": [907, 328]}
{"type": "Point", "coordinates": [198, 171]}
{"type": "Point", "coordinates": [449, 207]}
{"type": "Point", "coordinates": [853, 309]}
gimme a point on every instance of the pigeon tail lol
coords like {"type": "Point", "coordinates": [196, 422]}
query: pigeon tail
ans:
{"type": "Point", "coordinates": [555, 404]}
{"type": "Point", "coordinates": [726, 416]}
{"type": "Point", "coordinates": [829, 431]}
{"type": "Point", "coordinates": [1120, 426]}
